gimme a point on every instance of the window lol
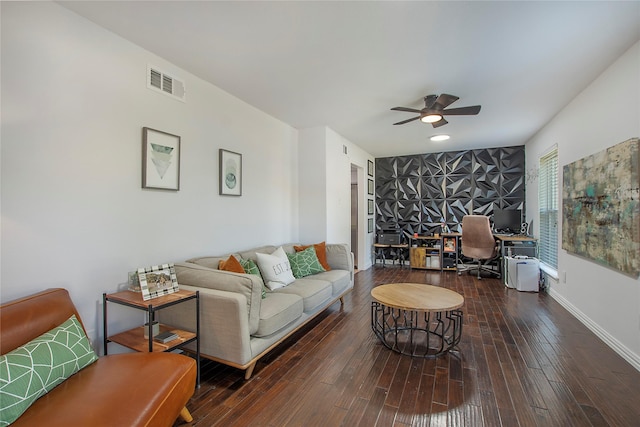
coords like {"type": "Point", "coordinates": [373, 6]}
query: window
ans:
{"type": "Point", "coordinates": [548, 203]}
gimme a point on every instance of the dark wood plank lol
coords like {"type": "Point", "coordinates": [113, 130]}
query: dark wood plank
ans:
{"type": "Point", "coordinates": [523, 361]}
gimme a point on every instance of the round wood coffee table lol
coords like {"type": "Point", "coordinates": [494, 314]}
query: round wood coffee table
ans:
{"type": "Point", "coordinates": [415, 319]}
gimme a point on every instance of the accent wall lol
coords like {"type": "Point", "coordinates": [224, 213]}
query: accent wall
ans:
{"type": "Point", "coordinates": [417, 193]}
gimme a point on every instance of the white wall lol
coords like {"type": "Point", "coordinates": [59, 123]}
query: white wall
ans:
{"type": "Point", "coordinates": [74, 101]}
{"type": "Point", "coordinates": [604, 114]}
{"type": "Point", "coordinates": [339, 194]}
{"type": "Point", "coordinates": [313, 184]}
{"type": "Point", "coordinates": [325, 190]}
{"type": "Point", "coordinates": [338, 188]}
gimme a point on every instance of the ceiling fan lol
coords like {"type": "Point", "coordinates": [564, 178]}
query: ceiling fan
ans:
{"type": "Point", "coordinates": [434, 110]}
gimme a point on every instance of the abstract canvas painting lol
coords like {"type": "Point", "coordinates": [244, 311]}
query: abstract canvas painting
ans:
{"type": "Point", "coordinates": [601, 207]}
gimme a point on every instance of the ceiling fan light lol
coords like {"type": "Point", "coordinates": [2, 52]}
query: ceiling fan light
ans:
{"type": "Point", "coordinates": [438, 138]}
{"type": "Point", "coordinates": [431, 118]}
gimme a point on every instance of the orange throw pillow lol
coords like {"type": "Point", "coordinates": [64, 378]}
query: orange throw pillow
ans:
{"type": "Point", "coordinates": [231, 264]}
{"type": "Point", "coordinates": [321, 253]}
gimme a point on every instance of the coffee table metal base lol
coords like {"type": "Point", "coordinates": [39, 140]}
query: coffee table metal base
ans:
{"type": "Point", "coordinates": [414, 333]}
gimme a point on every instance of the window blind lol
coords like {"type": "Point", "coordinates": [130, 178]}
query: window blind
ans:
{"type": "Point", "coordinates": [548, 203]}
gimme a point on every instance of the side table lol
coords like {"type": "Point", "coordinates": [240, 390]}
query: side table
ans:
{"type": "Point", "coordinates": [135, 339]}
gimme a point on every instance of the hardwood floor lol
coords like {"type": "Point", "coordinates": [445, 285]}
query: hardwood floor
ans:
{"type": "Point", "coordinates": [523, 361]}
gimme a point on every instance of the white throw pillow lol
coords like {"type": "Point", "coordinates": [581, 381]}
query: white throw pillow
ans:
{"type": "Point", "coordinates": [275, 269]}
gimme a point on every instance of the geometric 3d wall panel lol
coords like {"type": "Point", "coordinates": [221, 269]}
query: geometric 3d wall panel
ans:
{"type": "Point", "coordinates": [416, 193]}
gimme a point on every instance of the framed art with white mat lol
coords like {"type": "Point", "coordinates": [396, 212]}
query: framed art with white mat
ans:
{"type": "Point", "coordinates": [160, 160]}
{"type": "Point", "coordinates": [230, 173]}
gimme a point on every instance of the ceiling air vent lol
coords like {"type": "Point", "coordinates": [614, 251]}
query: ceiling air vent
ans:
{"type": "Point", "coordinates": [162, 82]}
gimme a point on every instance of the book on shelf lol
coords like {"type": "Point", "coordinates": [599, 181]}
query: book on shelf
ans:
{"type": "Point", "coordinates": [165, 337]}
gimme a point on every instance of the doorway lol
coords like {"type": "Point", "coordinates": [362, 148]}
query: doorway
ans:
{"type": "Point", "coordinates": [354, 214]}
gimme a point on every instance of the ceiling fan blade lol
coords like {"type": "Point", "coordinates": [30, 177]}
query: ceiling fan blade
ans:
{"type": "Point", "coordinates": [409, 110]}
{"type": "Point", "coordinates": [462, 111]}
{"type": "Point", "coordinates": [439, 123]}
{"type": "Point", "coordinates": [444, 100]}
{"type": "Point", "coordinates": [429, 100]}
{"type": "Point", "coordinates": [407, 121]}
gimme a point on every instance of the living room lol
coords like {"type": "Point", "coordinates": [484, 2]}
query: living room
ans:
{"type": "Point", "coordinates": [74, 101]}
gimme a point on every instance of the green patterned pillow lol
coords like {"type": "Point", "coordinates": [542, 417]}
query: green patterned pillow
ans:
{"type": "Point", "coordinates": [305, 263]}
{"type": "Point", "coordinates": [34, 369]}
{"type": "Point", "coordinates": [250, 267]}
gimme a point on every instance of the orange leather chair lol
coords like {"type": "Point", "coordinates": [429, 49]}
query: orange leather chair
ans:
{"type": "Point", "coordinates": [132, 389]}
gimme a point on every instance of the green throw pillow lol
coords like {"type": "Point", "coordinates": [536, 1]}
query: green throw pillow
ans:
{"type": "Point", "coordinates": [34, 369]}
{"type": "Point", "coordinates": [250, 267]}
{"type": "Point", "coordinates": [305, 263]}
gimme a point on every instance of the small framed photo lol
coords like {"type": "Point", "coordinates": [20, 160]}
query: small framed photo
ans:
{"type": "Point", "coordinates": [230, 173]}
{"type": "Point", "coordinates": [449, 244]}
{"type": "Point", "coordinates": [370, 225]}
{"type": "Point", "coordinates": [157, 280]}
{"type": "Point", "coordinates": [160, 160]}
{"type": "Point", "coordinates": [370, 207]}
{"type": "Point", "coordinates": [369, 168]}
{"type": "Point", "coordinates": [370, 186]}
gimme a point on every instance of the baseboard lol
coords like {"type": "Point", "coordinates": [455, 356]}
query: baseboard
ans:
{"type": "Point", "coordinates": [612, 342]}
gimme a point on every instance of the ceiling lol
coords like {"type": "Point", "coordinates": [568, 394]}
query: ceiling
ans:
{"type": "Point", "coordinates": [345, 64]}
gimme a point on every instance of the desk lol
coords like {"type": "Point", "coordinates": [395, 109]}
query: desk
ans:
{"type": "Point", "coordinates": [515, 245]}
{"type": "Point", "coordinates": [380, 252]}
{"type": "Point", "coordinates": [395, 252]}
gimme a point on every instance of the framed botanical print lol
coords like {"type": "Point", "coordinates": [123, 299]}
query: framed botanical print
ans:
{"type": "Point", "coordinates": [370, 186]}
{"type": "Point", "coordinates": [230, 173]}
{"type": "Point", "coordinates": [369, 168]}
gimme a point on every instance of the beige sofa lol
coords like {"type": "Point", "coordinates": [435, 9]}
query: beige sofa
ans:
{"type": "Point", "coordinates": [237, 325]}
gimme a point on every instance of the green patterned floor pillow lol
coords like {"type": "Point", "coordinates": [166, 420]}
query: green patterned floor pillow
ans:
{"type": "Point", "coordinates": [35, 368]}
{"type": "Point", "coordinates": [305, 263]}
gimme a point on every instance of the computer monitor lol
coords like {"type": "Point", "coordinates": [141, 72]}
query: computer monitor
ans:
{"type": "Point", "coordinates": [507, 220]}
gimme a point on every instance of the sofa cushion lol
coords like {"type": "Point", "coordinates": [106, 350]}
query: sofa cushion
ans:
{"type": "Point", "coordinates": [35, 368]}
{"type": "Point", "coordinates": [340, 280]}
{"type": "Point", "coordinates": [275, 269]}
{"type": "Point", "coordinates": [314, 292]}
{"type": "Point", "coordinates": [321, 252]}
{"type": "Point", "coordinates": [339, 257]}
{"type": "Point", "coordinates": [305, 263]}
{"type": "Point", "coordinates": [252, 253]}
{"type": "Point", "coordinates": [132, 389]}
{"type": "Point", "coordinates": [208, 261]}
{"type": "Point", "coordinates": [231, 264]}
{"type": "Point", "coordinates": [277, 311]}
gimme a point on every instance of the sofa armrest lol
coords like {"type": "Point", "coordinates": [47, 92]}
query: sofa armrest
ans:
{"type": "Point", "coordinates": [339, 257]}
{"type": "Point", "coordinates": [247, 285]}
{"type": "Point", "coordinates": [224, 327]}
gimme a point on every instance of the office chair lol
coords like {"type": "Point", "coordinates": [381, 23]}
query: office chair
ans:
{"type": "Point", "coordinates": [478, 243]}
